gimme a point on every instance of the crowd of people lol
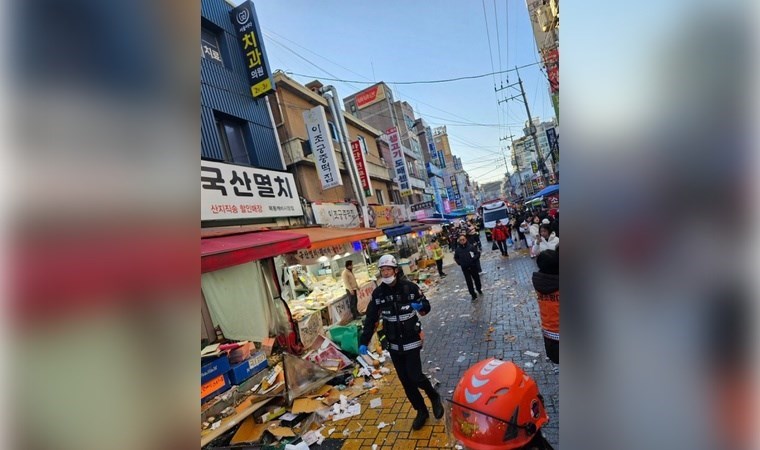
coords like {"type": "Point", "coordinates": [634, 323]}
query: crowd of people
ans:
{"type": "Point", "coordinates": [535, 230]}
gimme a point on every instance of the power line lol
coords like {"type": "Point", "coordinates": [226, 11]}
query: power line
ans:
{"type": "Point", "coordinates": [446, 80]}
{"type": "Point", "coordinates": [498, 39]}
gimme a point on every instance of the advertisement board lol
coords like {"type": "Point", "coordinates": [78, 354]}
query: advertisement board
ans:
{"type": "Point", "coordinates": [230, 191]}
{"type": "Point", "coordinates": [322, 147]}
{"type": "Point", "coordinates": [370, 96]}
{"type": "Point", "coordinates": [248, 32]}
{"type": "Point", "coordinates": [340, 215]}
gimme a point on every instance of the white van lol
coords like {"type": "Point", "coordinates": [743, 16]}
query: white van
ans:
{"type": "Point", "coordinates": [493, 211]}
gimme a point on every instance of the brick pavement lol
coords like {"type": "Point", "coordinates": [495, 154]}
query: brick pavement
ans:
{"type": "Point", "coordinates": [503, 323]}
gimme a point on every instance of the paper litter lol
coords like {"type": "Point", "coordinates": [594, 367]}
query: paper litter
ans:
{"type": "Point", "coordinates": [376, 403]}
{"type": "Point", "coordinates": [299, 446]}
{"type": "Point", "coordinates": [461, 359]}
{"type": "Point", "coordinates": [532, 354]}
{"type": "Point", "coordinates": [381, 425]}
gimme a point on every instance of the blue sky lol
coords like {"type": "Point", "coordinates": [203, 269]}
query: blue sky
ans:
{"type": "Point", "coordinates": [409, 41]}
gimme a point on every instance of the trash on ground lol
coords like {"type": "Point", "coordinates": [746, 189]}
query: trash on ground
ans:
{"type": "Point", "coordinates": [532, 354]}
{"type": "Point", "coordinates": [376, 403]}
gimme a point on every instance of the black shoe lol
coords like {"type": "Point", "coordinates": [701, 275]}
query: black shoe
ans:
{"type": "Point", "coordinates": [474, 297]}
{"type": "Point", "coordinates": [437, 406]}
{"type": "Point", "coordinates": [480, 292]}
{"type": "Point", "coordinates": [419, 421]}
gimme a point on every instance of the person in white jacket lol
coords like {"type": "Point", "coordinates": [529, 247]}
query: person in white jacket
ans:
{"type": "Point", "coordinates": [533, 229]}
{"type": "Point", "coordinates": [547, 240]}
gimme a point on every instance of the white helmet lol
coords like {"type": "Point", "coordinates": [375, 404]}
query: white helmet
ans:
{"type": "Point", "coordinates": [387, 261]}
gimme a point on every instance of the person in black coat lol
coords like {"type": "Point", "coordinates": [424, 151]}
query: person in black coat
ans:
{"type": "Point", "coordinates": [398, 301]}
{"type": "Point", "coordinates": [467, 256]}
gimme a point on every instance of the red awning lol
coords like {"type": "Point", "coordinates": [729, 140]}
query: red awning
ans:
{"type": "Point", "coordinates": [227, 251]}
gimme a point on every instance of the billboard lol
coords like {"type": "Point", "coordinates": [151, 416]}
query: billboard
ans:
{"type": "Point", "coordinates": [246, 25]}
{"type": "Point", "coordinates": [322, 147]}
{"type": "Point", "coordinates": [399, 163]}
{"type": "Point", "coordinates": [370, 96]}
{"type": "Point", "coordinates": [361, 166]}
{"type": "Point", "coordinates": [230, 191]}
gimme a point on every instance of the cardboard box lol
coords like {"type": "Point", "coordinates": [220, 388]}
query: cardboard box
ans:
{"type": "Point", "coordinates": [213, 369]}
{"type": "Point", "coordinates": [248, 368]}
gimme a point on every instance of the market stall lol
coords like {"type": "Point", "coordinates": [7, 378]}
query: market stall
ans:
{"type": "Point", "coordinates": [311, 277]}
{"type": "Point", "coordinates": [240, 308]}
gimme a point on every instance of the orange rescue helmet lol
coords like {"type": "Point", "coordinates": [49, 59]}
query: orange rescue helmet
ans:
{"type": "Point", "coordinates": [496, 406]}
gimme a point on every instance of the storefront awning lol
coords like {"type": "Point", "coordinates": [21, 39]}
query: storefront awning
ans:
{"type": "Point", "coordinates": [417, 226]}
{"type": "Point", "coordinates": [397, 230]}
{"type": "Point", "coordinates": [227, 251]}
{"type": "Point", "coordinates": [322, 237]}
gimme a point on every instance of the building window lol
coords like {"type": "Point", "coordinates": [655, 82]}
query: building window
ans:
{"type": "Point", "coordinates": [333, 131]}
{"type": "Point", "coordinates": [363, 143]}
{"type": "Point", "coordinates": [232, 138]}
{"type": "Point", "coordinates": [210, 48]}
{"type": "Point", "coordinates": [306, 147]}
{"type": "Point", "coordinates": [379, 195]}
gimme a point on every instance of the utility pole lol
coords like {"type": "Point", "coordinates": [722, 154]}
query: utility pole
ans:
{"type": "Point", "coordinates": [531, 127]}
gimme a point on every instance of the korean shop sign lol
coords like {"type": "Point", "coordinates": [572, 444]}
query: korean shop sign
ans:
{"type": "Point", "coordinates": [322, 147]}
{"type": "Point", "coordinates": [342, 215]}
{"type": "Point", "coordinates": [358, 152]}
{"type": "Point", "coordinates": [399, 164]}
{"type": "Point", "coordinates": [230, 191]}
{"type": "Point", "coordinates": [254, 55]}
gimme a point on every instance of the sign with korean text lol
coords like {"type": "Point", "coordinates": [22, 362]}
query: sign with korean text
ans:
{"type": "Point", "coordinates": [424, 205]}
{"type": "Point", "coordinates": [255, 56]}
{"type": "Point", "coordinates": [322, 147]}
{"type": "Point", "coordinates": [341, 215]}
{"type": "Point", "coordinates": [370, 96]}
{"type": "Point", "coordinates": [230, 191]}
{"type": "Point", "coordinates": [551, 62]}
{"type": "Point", "coordinates": [447, 206]}
{"type": "Point", "coordinates": [534, 166]}
{"type": "Point", "coordinates": [361, 166]}
{"type": "Point", "coordinates": [340, 311]}
{"type": "Point", "coordinates": [309, 328]}
{"type": "Point", "coordinates": [364, 295]}
{"type": "Point", "coordinates": [399, 164]}
{"type": "Point", "coordinates": [311, 256]}
{"type": "Point", "coordinates": [383, 215]}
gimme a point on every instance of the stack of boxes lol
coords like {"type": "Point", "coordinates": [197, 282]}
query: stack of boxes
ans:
{"type": "Point", "coordinates": [220, 373]}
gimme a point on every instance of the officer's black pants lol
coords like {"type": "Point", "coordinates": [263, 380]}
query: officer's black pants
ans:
{"type": "Point", "coordinates": [409, 370]}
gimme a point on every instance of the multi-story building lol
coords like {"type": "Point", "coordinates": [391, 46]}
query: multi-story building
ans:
{"type": "Point", "coordinates": [544, 17]}
{"type": "Point", "coordinates": [289, 103]}
{"type": "Point", "coordinates": [238, 139]}
{"type": "Point", "coordinates": [376, 106]}
{"type": "Point", "coordinates": [525, 159]}
{"type": "Point", "coordinates": [433, 163]}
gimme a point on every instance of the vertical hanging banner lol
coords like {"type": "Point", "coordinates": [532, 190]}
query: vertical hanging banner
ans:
{"type": "Point", "coordinates": [322, 147]}
{"type": "Point", "coordinates": [361, 166]}
{"type": "Point", "coordinates": [399, 164]}
{"type": "Point", "coordinates": [246, 24]}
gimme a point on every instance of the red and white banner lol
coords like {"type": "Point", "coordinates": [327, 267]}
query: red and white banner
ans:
{"type": "Point", "coordinates": [361, 166]}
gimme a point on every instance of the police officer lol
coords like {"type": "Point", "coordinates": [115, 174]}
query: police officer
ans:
{"type": "Point", "coordinates": [398, 301]}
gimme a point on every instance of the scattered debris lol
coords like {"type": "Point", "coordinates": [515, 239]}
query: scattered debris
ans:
{"type": "Point", "coordinates": [464, 315]}
{"type": "Point", "coordinates": [461, 359]}
{"type": "Point", "coordinates": [216, 424]}
{"type": "Point", "coordinates": [532, 354]}
{"type": "Point", "coordinates": [376, 402]}
{"type": "Point", "coordinates": [528, 365]}
{"type": "Point", "coordinates": [510, 338]}
{"type": "Point", "coordinates": [381, 425]}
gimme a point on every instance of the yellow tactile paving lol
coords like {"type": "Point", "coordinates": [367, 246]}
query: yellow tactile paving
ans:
{"type": "Point", "coordinates": [398, 415]}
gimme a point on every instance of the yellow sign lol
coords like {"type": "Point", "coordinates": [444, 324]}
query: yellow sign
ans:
{"type": "Point", "coordinates": [261, 88]}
